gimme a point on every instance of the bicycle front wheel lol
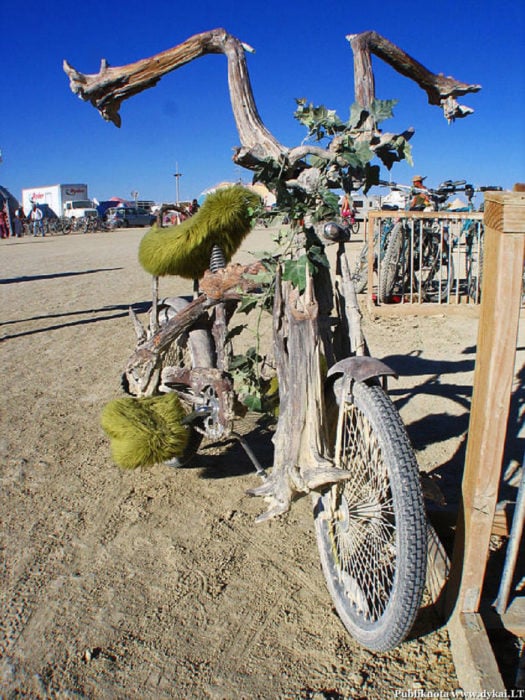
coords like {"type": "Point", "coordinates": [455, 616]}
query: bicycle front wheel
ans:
{"type": "Point", "coordinates": [188, 351]}
{"type": "Point", "coordinates": [354, 228]}
{"type": "Point", "coordinates": [371, 528]}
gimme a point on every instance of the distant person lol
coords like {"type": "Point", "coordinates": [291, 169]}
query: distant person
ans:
{"type": "Point", "coordinates": [19, 222]}
{"type": "Point", "coordinates": [194, 207]}
{"type": "Point", "coordinates": [36, 217]}
{"type": "Point", "coordinates": [4, 226]}
{"type": "Point", "coordinates": [420, 199]}
{"type": "Point", "coordinates": [347, 209]}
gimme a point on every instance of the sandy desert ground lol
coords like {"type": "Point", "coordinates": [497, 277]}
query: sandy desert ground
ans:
{"type": "Point", "coordinates": [157, 583]}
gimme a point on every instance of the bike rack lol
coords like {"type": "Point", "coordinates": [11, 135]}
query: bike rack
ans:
{"type": "Point", "coordinates": [452, 245]}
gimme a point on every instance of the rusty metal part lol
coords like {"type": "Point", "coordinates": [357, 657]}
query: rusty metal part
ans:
{"type": "Point", "coordinates": [361, 368]}
{"type": "Point", "coordinates": [208, 387]}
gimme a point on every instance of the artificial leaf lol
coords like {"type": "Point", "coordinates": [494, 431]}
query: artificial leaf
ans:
{"type": "Point", "coordinates": [248, 303]}
{"type": "Point", "coordinates": [364, 152]}
{"type": "Point", "coordinates": [357, 116]}
{"type": "Point", "coordinates": [252, 401]}
{"type": "Point", "coordinates": [317, 256]}
{"type": "Point", "coordinates": [382, 109]}
{"type": "Point", "coordinates": [295, 271]}
{"type": "Point", "coordinates": [372, 173]}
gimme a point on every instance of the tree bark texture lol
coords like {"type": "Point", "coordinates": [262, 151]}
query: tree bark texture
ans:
{"type": "Point", "coordinates": [302, 458]}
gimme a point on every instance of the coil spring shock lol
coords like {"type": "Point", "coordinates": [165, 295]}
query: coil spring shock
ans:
{"type": "Point", "coordinates": [217, 259]}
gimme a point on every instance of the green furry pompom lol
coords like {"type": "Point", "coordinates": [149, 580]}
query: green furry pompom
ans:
{"type": "Point", "coordinates": [146, 430]}
{"type": "Point", "coordinates": [224, 219]}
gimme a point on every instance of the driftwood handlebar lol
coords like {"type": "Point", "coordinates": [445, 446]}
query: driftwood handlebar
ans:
{"type": "Point", "coordinates": [107, 89]}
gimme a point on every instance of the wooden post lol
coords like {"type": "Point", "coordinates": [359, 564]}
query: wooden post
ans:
{"type": "Point", "coordinates": [504, 247]}
{"type": "Point", "coordinates": [496, 350]}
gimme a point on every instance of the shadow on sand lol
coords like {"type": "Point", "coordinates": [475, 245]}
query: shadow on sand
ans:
{"type": "Point", "coordinates": [105, 313]}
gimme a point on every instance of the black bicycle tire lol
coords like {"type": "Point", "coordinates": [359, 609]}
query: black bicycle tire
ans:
{"type": "Point", "coordinates": [389, 265]}
{"type": "Point", "coordinates": [474, 280]}
{"type": "Point", "coordinates": [480, 267]}
{"type": "Point", "coordinates": [201, 352]}
{"type": "Point", "coordinates": [52, 228]}
{"type": "Point", "coordinates": [65, 226]}
{"type": "Point", "coordinates": [405, 595]}
{"type": "Point", "coordinates": [433, 257]}
{"type": "Point", "coordinates": [440, 293]}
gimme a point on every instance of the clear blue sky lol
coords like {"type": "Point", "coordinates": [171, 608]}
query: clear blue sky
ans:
{"type": "Point", "coordinates": [49, 136]}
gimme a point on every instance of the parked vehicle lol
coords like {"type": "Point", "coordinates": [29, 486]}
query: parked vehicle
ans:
{"type": "Point", "coordinates": [71, 201]}
{"type": "Point", "coordinates": [47, 212]}
{"type": "Point", "coordinates": [104, 206]}
{"type": "Point", "coordinates": [80, 208]}
{"type": "Point", "coordinates": [129, 216]}
{"type": "Point", "coordinates": [362, 205]}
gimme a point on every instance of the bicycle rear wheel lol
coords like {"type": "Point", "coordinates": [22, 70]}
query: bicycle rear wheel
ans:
{"type": "Point", "coordinates": [188, 351]}
{"type": "Point", "coordinates": [354, 228]}
{"type": "Point", "coordinates": [474, 262]}
{"type": "Point", "coordinates": [371, 528]}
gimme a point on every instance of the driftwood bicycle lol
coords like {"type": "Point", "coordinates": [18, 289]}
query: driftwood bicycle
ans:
{"type": "Point", "coordinates": [368, 507]}
{"type": "Point", "coordinates": [338, 436]}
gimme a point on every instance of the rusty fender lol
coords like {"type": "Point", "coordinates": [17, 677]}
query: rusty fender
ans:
{"type": "Point", "coordinates": [360, 369]}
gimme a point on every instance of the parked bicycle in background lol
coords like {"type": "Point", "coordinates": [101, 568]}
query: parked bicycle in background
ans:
{"type": "Point", "coordinates": [419, 254]}
{"type": "Point", "coordinates": [348, 215]}
{"type": "Point", "coordinates": [473, 231]}
{"type": "Point", "coordinates": [415, 197]}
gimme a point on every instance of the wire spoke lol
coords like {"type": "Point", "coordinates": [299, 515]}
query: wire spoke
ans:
{"type": "Point", "coordinates": [363, 530]}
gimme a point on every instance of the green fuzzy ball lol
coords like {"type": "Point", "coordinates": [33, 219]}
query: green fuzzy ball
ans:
{"type": "Point", "coordinates": [146, 430]}
{"type": "Point", "coordinates": [224, 219]}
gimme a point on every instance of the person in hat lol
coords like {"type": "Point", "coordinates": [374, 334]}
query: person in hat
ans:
{"type": "Point", "coordinates": [420, 199]}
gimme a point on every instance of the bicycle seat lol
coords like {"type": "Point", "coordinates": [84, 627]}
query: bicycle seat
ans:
{"type": "Point", "coordinates": [224, 219]}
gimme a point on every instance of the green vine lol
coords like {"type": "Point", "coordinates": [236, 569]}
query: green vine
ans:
{"type": "Point", "coordinates": [343, 159]}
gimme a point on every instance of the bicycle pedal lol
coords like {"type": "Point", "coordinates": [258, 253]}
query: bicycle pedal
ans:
{"type": "Point", "coordinates": [194, 416]}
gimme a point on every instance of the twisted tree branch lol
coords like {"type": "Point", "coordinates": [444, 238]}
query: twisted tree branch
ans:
{"type": "Point", "coordinates": [441, 90]}
{"type": "Point", "coordinates": [108, 88]}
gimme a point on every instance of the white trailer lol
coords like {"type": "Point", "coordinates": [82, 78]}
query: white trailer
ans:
{"type": "Point", "coordinates": [63, 200]}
